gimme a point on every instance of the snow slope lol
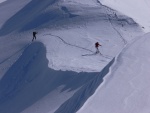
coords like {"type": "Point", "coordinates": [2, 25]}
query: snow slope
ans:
{"type": "Point", "coordinates": [50, 74]}
{"type": "Point", "coordinates": [126, 87]}
{"type": "Point", "coordinates": [30, 79]}
{"type": "Point", "coordinates": [73, 31]}
{"type": "Point", "coordinates": [9, 8]}
{"type": "Point", "coordinates": [138, 10]}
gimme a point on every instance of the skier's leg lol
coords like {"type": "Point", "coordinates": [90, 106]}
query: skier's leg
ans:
{"type": "Point", "coordinates": [100, 52]}
{"type": "Point", "coordinates": [32, 39]}
{"type": "Point", "coordinates": [97, 51]}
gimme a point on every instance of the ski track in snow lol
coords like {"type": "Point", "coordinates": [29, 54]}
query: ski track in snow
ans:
{"type": "Point", "coordinates": [138, 12]}
{"type": "Point", "coordinates": [109, 19]}
{"type": "Point", "coordinates": [132, 97]}
{"type": "Point", "coordinates": [30, 81]}
{"type": "Point", "coordinates": [107, 16]}
{"type": "Point", "coordinates": [69, 43]}
{"type": "Point", "coordinates": [93, 52]}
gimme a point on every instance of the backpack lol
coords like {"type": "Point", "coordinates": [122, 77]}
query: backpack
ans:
{"type": "Point", "coordinates": [97, 44]}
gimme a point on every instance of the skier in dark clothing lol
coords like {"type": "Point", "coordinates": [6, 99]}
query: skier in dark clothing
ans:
{"type": "Point", "coordinates": [96, 46]}
{"type": "Point", "coordinates": [34, 35]}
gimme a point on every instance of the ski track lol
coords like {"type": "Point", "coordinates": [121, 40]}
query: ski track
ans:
{"type": "Point", "coordinates": [89, 88]}
{"type": "Point", "coordinates": [109, 19]}
{"type": "Point", "coordinates": [93, 53]}
{"type": "Point", "coordinates": [69, 43]}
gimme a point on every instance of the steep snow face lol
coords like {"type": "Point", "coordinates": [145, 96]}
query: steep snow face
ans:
{"type": "Point", "coordinates": [138, 10]}
{"type": "Point", "coordinates": [30, 80]}
{"type": "Point", "coordinates": [67, 31]}
{"type": "Point", "coordinates": [77, 100]}
{"type": "Point", "coordinates": [126, 88]}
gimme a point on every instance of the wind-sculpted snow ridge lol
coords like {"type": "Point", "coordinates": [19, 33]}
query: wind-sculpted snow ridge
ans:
{"type": "Point", "coordinates": [73, 104]}
{"type": "Point", "coordinates": [126, 88]}
{"type": "Point", "coordinates": [69, 21]}
{"type": "Point", "coordinates": [30, 79]}
{"type": "Point", "coordinates": [68, 29]}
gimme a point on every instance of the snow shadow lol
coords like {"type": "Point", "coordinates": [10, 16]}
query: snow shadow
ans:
{"type": "Point", "coordinates": [36, 13]}
{"type": "Point", "coordinates": [23, 18]}
{"type": "Point", "coordinates": [73, 104]}
{"type": "Point", "coordinates": [63, 8]}
{"type": "Point", "coordinates": [30, 79]}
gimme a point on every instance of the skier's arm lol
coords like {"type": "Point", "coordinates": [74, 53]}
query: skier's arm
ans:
{"type": "Point", "coordinates": [100, 45]}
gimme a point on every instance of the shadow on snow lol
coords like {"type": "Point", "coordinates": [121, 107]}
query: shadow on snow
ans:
{"type": "Point", "coordinates": [30, 79]}
{"type": "Point", "coordinates": [24, 17]}
{"type": "Point", "coordinates": [33, 15]}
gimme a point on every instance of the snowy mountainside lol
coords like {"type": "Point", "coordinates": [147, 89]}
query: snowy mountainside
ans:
{"type": "Point", "coordinates": [138, 10]}
{"type": "Point", "coordinates": [60, 19]}
{"type": "Point", "coordinates": [126, 87]}
{"type": "Point", "coordinates": [30, 79]}
{"type": "Point", "coordinates": [49, 74]}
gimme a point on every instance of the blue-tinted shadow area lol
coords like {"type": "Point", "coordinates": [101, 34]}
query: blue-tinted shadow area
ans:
{"type": "Point", "coordinates": [73, 104]}
{"type": "Point", "coordinates": [22, 19]}
{"type": "Point", "coordinates": [63, 8]}
{"type": "Point", "coordinates": [30, 79]}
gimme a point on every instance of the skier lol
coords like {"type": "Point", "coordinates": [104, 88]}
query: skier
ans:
{"type": "Point", "coordinates": [34, 35]}
{"type": "Point", "coordinates": [96, 46]}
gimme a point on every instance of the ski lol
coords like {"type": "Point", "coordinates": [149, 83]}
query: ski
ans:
{"type": "Point", "coordinates": [105, 56]}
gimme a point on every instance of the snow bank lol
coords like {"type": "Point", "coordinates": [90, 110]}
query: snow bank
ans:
{"type": "Point", "coordinates": [126, 88]}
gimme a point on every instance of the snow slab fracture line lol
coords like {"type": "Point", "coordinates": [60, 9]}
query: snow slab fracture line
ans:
{"type": "Point", "coordinates": [68, 43]}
